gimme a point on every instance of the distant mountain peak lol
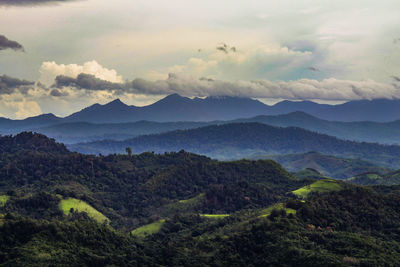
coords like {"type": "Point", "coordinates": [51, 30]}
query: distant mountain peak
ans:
{"type": "Point", "coordinates": [174, 96]}
{"type": "Point", "coordinates": [172, 99]}
{"type": "Point", "coordinates": [116, 102]}
{"type": "Point", "coordinates": [45, 115]}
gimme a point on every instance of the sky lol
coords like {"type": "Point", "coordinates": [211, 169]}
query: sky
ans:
{"type": "Point", "coordinates": [61, 56]}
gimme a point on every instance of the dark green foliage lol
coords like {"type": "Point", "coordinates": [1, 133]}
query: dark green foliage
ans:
{"type": "Point", "coordinates": [131, 189]}
{"type": "Point", "coordinates": [309, 173]}
{"type": "Point", "coordinates": [350, 227]}
{"type": "Point", "coordinates": [26, 242]}
{"type": "Point", "coordinates": [355, 210]}
{"type": "Point", "coordinates": [31, 142]}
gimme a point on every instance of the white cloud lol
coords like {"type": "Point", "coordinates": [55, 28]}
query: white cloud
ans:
{"type": "Point", "coordinates": [270, 61]}
{"type": "Point", "coordinates": [50, 70]}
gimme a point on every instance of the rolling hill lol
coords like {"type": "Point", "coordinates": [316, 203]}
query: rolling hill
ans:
{"type": "Point", "coordinates": [240, 140]}
{"type": "Point", "coordinates": [363, 131]}
{"type": "Point", "coordinates": [376, 178]}
{"type": "Point", "coordinates": [129, 190]}
{"type": "Point", "coordinates": [384, 133]}
{"type": "Point", "coordinates": [335, 167]}
{"type": "Point", "coordinates": [181, 209]}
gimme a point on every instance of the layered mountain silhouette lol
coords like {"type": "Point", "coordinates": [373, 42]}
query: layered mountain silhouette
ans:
{"type": "Point", "coordinates": [177, 108]}
{"type": "Point", "coordinates": [75, 132]}
{"type": "Point", "coordinates": [244, 140]}
{"type": "Point", "coordinates": [173, 108]}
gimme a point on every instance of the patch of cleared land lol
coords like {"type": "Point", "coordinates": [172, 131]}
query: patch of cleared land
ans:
{"type": "Point", "coordinates": [214, 216]}
{"type": "Point", "coordinates": [279, 206]}
{"type": "Point", "coordinates": [80, 206]}
{"type": "Point", "coordinates": [3, 200]}
{"type": "Point", "coordinates": [148, 229]}
{"type": "Point", "coordinates": [320, 186]}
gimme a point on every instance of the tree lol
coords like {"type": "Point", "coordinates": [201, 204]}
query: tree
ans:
{"type": "Point", "coordinates": [129, 151]}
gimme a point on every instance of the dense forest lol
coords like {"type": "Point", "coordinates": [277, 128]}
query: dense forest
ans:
{"type": "Point", "coordinates": [181, 209]}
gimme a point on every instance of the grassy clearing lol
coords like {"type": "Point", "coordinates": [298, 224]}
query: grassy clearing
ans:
{"type": "Point", "coordinates": [192, 201]}
{"type": "Point", "coordinates": [185, 205]}
{"type": "Point", "coordinates": [370, 176]}
{"type": "Point", "coordinates": [214, 216]}
{"type": "Point", "coordinates": [320, 186]}
{"type": "Point", "coordinates": [3, 200]}
{"type": "Point", "coordinates": [80, 206]}
{"type": "Point", "coordinates": [148, 229]}
{"type": "Point", "coordinates": [279, 206]}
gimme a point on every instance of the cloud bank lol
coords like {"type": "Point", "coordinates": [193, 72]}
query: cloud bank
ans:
{"type": "Point", "coordinates": [5, 43]}
{"type": "Point", "coordinates": [326, 89]}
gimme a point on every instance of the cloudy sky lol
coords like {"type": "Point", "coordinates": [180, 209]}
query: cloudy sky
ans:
{"type": "Point", "coordinates": [60, 56]}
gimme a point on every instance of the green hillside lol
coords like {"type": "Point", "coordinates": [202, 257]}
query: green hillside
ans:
{"type": "Point", "coordinates": [128, 190]}
{"type": "Point", "coordinates": [371, 178]}
{"type": "Point", "coordinates": [71, 205]}
{"type": "Point", "coordinates": [238, 213]}
{"type": "Point", "coordinates": [320, 186]}
{"type": "Point", "coordinates": [3, 200]}
{"type": "Point", "coordinates": [148, 229]}
{"type": "Point", "coordinates": [330, 166]}
{"type": "Point", "coordinates": [309, 173]}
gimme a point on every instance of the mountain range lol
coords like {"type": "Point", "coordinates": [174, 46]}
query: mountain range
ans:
{"type": "Point", "coordinates": [177, 108]}
{"type": "Point", "coordinates": [87, 127]}
{"type": "Point", "coordinates": [75, 132]}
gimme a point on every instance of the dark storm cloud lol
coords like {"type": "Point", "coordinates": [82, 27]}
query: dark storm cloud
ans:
{"type": "Point", "coordinates": [8, 85]}
{"type": "Point", "coordinates": [313, 68]}
{"type": "Point", "coordinates": [58, 93]}
{"type": "Point", "coordinates": [396, 78]}
{"type": "Point", "coordinates": [223, 47]}
{"type": "Point", "coordinates": [87, 82]}
{"type": "Point", "coordinates": [29, 2]}
{"type": "Point", "coordinates": [5, 43]}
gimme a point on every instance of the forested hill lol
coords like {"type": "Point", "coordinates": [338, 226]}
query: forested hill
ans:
{"type": "Point", "coordinates": [129, 190]}
{"type": "Point", "coordinates": [238, 140]}
{"type": "Point", "coordinates": [181, 209]}
{"type": "Point", "coordinates": [338, 168]}
{"type": "Point", "coordinates": [27, 141]}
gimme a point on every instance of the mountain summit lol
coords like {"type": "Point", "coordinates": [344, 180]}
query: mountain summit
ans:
{"type": "Point", "coordinates": [173, 108]}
